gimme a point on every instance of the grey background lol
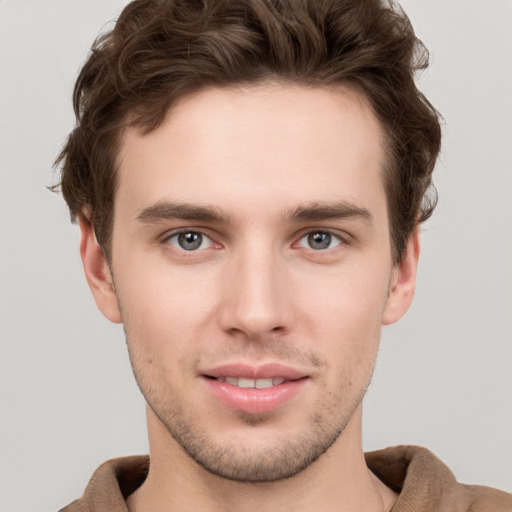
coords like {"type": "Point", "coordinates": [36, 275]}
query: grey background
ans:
{"type": "Point", "coordinates": [68, 400]}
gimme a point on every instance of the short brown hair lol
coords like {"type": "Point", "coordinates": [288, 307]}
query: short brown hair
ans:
{"type": "Point", "coordinates": [162, 50]}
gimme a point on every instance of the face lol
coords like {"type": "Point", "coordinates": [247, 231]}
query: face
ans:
{"type": "Point", "coordinates": [252, 270]}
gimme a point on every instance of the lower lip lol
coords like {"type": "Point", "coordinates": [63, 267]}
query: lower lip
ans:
{"type": "Point", "coordinates": [251, 400]}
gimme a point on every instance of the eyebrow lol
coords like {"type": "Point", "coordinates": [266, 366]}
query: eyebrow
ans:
{"type": "Point", "coordinates": [310, 212]}
{"type": "Point", "coordinates": [319, 211]}
{"type": "Point", "coordinates": [165, 210]}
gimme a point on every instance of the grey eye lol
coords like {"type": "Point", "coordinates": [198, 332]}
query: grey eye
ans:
{"type": "Point", "coordinates": [319, 240]}
{"type": "Point", "coordinates": [189, 241]}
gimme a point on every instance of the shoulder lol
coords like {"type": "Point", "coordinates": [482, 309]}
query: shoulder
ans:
{"type": "Point", "coordinates": [424, 483]}
{"type": "Point", "coordinates": [111, 484]}
{"type": "Point", "coordinates": [482, 499]}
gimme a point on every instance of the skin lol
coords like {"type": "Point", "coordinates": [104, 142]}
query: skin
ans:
{"type": "Point", "coordinates": [271, 164]}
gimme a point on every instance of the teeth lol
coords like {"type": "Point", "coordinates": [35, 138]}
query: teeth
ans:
{"type": "Point", "coordinates": [246, 383]}
{"type": "Point", "coordinates": [242, 382]}
{"type": "Point", "coordinates": [263, 383]}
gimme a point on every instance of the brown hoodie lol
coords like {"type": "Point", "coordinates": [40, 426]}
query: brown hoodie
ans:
{"type": "Point", "coordinates": [424, 483]}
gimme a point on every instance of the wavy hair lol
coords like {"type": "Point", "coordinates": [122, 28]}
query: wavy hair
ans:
{"type": "Point", "coordinates": [162, 50]}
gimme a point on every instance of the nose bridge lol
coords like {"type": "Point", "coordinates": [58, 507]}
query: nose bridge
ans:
{"type": "Point", "coordinates": [255, 300]}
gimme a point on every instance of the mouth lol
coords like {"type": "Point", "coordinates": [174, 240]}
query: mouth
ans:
{"type": "Point", "coordinates": [245, 383]}
{"type": "Point", "coordinates": [254, 390]}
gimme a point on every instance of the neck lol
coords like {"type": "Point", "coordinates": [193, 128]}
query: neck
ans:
{"type": "Point", "coordinates": [338, 480]}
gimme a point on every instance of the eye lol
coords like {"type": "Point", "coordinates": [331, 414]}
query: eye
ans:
{"type": "Point", "coordinates": [319, 240]}
{"type": "Point", "coordinates": [189, 241]}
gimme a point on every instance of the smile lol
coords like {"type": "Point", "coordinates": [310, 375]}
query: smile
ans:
{"type": "Point", "coordinates": [254, 389]}
{"type": "Point", "coordinates": [243, 382]}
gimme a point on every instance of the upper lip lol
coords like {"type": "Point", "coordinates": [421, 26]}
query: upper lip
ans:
{"type": "Point", "coordinates": [247, 371]}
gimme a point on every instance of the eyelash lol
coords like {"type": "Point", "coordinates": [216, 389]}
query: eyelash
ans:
{"type": "Point", "coordinates": [332, 237]}
{"type": "Point", "coordinates": [176, 234]}
{"type": "Point", "coordinates": [340, 240]}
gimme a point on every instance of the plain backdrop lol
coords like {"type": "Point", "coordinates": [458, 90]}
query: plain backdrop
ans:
{"type": "Point", "coordinates": [444, 378]}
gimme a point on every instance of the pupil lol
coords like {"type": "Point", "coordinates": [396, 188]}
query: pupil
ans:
{"type": "Point", "coordinates": [190, 241]}
{"type": "Point", "coordinates": [319, 240]}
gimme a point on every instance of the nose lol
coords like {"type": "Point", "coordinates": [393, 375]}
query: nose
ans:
{"type": "Point", "coordinates": [256, 300]}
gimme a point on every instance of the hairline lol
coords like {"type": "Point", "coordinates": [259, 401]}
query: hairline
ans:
{"type": "Point", "coordinates": [130, 121]}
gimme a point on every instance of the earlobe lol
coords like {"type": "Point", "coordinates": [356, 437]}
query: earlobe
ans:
{"type": "Point", "coordinates": [97, 272]}
{"type": "Point", "coordinates": [401, 291]}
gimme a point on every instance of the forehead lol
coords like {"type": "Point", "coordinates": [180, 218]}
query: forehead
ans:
{"type": "Point", "coordinates": [265, 144]}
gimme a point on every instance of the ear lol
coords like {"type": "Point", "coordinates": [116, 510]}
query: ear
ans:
{"type": "Point", "coordinates": [97, 272]}
{"type": "Point", "coordinates": [403, 282]}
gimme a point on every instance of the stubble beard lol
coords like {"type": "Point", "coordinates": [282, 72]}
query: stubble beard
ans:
{"type": "Point", "coordinates": [237, 462]}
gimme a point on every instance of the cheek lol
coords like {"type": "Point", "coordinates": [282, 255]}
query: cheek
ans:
{"type": "Point", "coordinates": [344, 318]}
{"type": "Point", "coordinates": [349, 299]}
{"type": "Point", "coordinates": [162, 307]}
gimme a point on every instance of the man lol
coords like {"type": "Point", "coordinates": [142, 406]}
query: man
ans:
{"type": "Point", "coordinates": [249, 179]}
